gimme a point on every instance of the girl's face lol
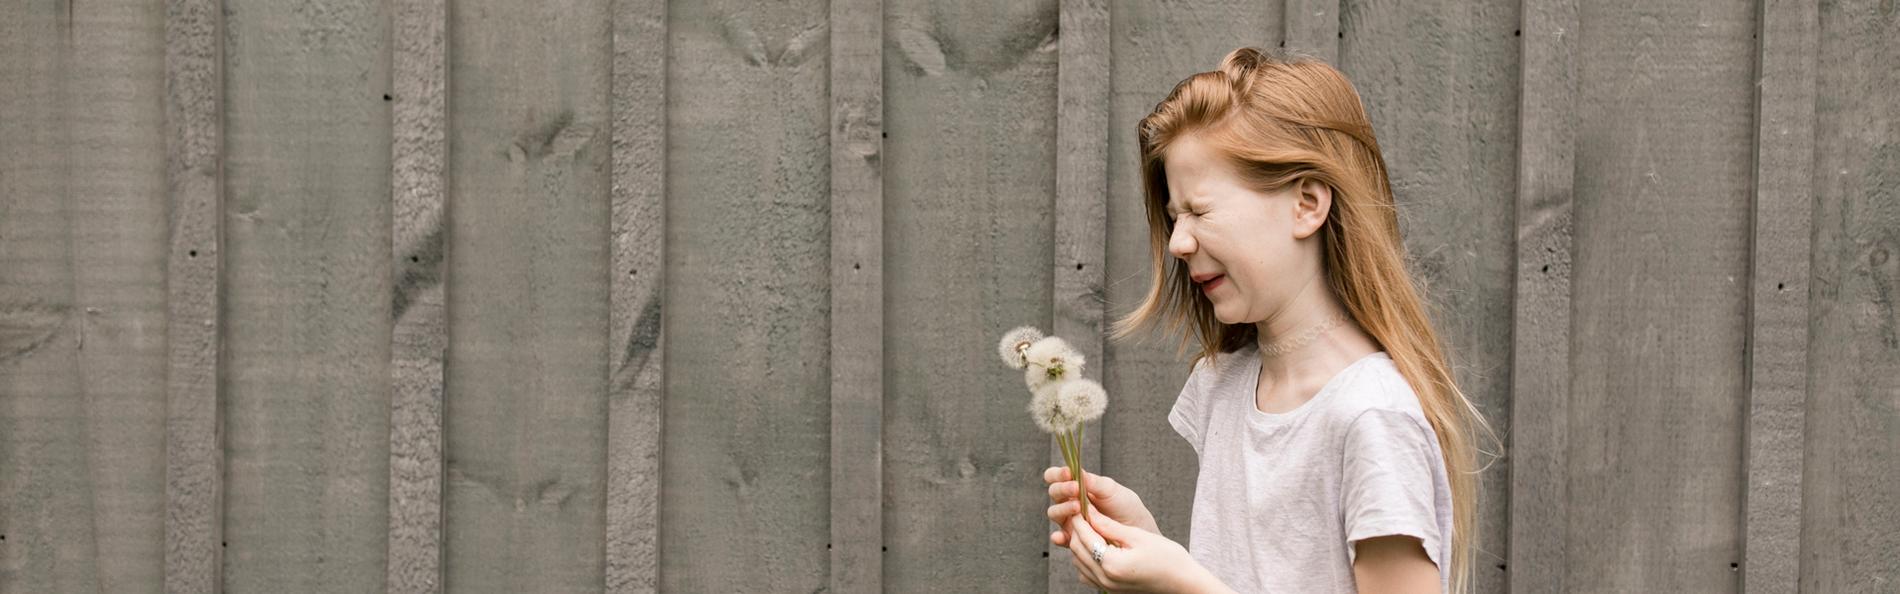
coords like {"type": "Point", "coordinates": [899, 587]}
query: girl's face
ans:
{"type": "Point", "coordinates": [1242, 246]}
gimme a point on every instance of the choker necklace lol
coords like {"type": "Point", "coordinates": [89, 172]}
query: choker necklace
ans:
{"type": "Point", "coordinates": [1305, 337]}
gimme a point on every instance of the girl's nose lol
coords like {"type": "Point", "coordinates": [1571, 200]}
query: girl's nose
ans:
{"type": "Point", "coordinates": [1181, 243]}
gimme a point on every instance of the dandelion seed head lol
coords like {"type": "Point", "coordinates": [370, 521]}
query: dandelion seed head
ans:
{"type": "Point", "coordinates": [1047, 410]}
{"type": "Point", "coordinates": [1015, 343]}
{"type": "Point", "coordinates": [1083, 399]}
{"type": "Point", "coordinates": [1049, 361]}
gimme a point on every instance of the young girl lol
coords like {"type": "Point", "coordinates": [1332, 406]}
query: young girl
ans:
{"type": "Point", "coordinates": [1335, 450]}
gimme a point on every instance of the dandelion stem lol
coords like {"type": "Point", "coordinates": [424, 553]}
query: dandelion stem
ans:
{"type": "Point", "coordinates": [1081, 477]}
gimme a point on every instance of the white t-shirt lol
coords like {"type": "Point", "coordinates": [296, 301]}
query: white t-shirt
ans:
{"type": "Point", "coordinates": [1282, 497]}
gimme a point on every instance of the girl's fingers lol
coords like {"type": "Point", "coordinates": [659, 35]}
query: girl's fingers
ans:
{"type": "Point", "coordinates": [1056, 474]}
{"type": "Point", "coordinates": [1059, 513]}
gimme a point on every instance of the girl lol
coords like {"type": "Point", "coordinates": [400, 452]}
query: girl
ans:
{"type": "Point", "coordinates": [1335, 450]}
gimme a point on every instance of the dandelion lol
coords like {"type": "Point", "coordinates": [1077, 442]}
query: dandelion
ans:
{"type": "Point", "coordinates": [1015, 342]}
{"type": "Point", "coordinates": [1061, 400]}
{"type": "Point", "coordinates": [1050, 361]}
{"type": "Point", "coordinates": [1084, 399]}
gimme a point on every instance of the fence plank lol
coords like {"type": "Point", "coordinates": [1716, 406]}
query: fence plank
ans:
{"type": "Point", "coordinates": [418, 259]}
{"type": "Point", "coordinates": [1082, 93]}
{"type": "Point", "coordinates": [1850, 533]}
{"type": "Point", "coordinates": [45, 494]}
{"type": "Point", "coordinates": [1155, 46]}
{"type": "Point", "coordinates": [748, 275]}
{"type": "Point", "coordinates": [971, 167]}
{"type": "Point", "coordinates": [1541, 299]}
{"type": "Point", "coordinates": [1660, 304]}
{"type": "Point", "coordinates": [526, 420]}
{"type": "Point", "coordinates": [194, 466]}
{"type": "Point", "coordinates": [637, 361]}
{"type": "Point", "coordinates": [857, 291]}
{"type": "Point", "coordinates": [117, 78]}
{"type": "Point", "coordinates": [1448, 148]}
{"type": "Point", "coordinates": [305, 298]}
{"type": "Point", "coordinates": [1778, 296]}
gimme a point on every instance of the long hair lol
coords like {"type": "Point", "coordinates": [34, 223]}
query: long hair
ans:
{"type": "Point", "coordinates": [1280, 121]}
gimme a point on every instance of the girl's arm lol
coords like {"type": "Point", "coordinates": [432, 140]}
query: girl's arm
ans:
{"type": "Point", "coordinates": [1394, 565]}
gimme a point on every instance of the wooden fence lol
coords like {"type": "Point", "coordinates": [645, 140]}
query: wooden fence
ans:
{"type": "Point", "coordinates": [700, 296]}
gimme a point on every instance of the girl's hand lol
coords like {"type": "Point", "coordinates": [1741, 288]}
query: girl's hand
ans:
{"type": "Point", "coordinates": [1105, 497]}
{"type": "Point", "coordinates": [1139, 560]}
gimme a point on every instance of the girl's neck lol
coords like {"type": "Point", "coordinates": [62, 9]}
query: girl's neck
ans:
{"type": "Point", "coordinates": [1301, 356]}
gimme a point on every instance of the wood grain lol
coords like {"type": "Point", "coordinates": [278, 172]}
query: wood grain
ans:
{"type": "Point", "coordinates": [1850, 479]}
{"type": "Point", "coordinates": [1541, 302]}
{"type": "Point", "coordinates": [1774, 433]}
{"type": "Point", "coordinates": [304, 386]}
{"type": "Point", "coordinates": [1659, 330]}
{"type": "Point", "coordinates": [194, 174]}
{"type": "Point", "coordinates": [418, 259]}
{"type": "Point", "coordinates": [748, 275]}
{"type": "Point", "coordinates": [971, 90]}
{"type": "Point", "coordinates": [637, 363]}
{"type": "Point", "coordinates": [527, 367]}
{"type": "Point", "coordinates": [857, 296]}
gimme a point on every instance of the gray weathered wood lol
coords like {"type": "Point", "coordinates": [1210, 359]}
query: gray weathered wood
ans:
{"type": "Point", "coordinates": [1439, 81]}
{"type": "Point", "coordinates": [1660, 302]}
{"type": "Point", "coordinates": [46, 498]}
{"type": "Point", "coordinates": [194, 459]}
{"type": "Point", "coordinates": [529, 224]}
{"type": "Point", "coordinates": [306, 278]}
{"type": "Point", "coordinates": [1081, 226]}
{"type": "Point", "coordinates": [1850, 484]}
{"type": "Point", "coordinates": [1154, 46]}
{"type": "Point", "coordinates": [82, 297]}
{"type": "Point", "coordinates": [970, 161]}
{"type": "Point", "coordinates": [1311, 28]}
{"type": "Point", "coordinates": [857, 296]}
{"type": "Point", "coordinates": [418, 258]}
{"type": "Point", "coordinates": [637, 363]}
{"type": "Point", "coordinates": [1778, 296]}
{"type": "Point", "coordinates": [1539, 450]}
{"type": "Point", "coordinates": [748, 271]}
{"type": "Point", "coordinates": [116, 156]}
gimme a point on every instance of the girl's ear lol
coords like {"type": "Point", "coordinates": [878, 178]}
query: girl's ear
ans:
{"type": "Point", "coordinates": [1312, 203]}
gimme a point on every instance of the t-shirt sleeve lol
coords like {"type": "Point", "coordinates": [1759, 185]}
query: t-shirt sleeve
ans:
{"type": "Point", "coordinates": [1189, 415]}
{"type": "Point", "coordinates": [1392, 475]}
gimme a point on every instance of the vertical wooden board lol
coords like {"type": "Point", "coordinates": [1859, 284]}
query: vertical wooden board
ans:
{"type": "Point", "coordinates": [46, 496]}
{"type": "Point", "coordinates": [1155, 46]}
{"type": "Point", "coordinates": [971, 93]}
{"type": "Point", "coordinates": [307, 211]}
{"type": "Point", "coordinates": [637, 365]}
{"type": "Point", "coordinates": [118, 238]}
{"type": "Point", "coordinates": [1440, 83]}
{"type": "Point", "coordinates": [194, 180]}
{"type": "Point", "coordinates": [857, 289]}
{"type": "Point", "coordinates": [1082, 94]}
{"type": "Point", "coordinates": [419, 338]}
{"type": "Point", "coordinates": [748, 268]}
{"type": "Point", "coordinates": [1850, 530]}
{"type": "Point", "coordinates": [1778, 296]}
{"type": "Point", "coordinates": [526, 414]}
{"type": "Point", "coordinates": [1663, 174]}
{"type": "Point", "coordinates": [1541, 304]}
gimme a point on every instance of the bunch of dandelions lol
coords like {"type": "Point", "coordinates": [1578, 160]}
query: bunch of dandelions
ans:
{"type": "Point", "coordinates": [1061, 400]}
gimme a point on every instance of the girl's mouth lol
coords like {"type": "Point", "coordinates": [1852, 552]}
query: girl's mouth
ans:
{"type": "Point", "coordinates": [1208, 285]}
